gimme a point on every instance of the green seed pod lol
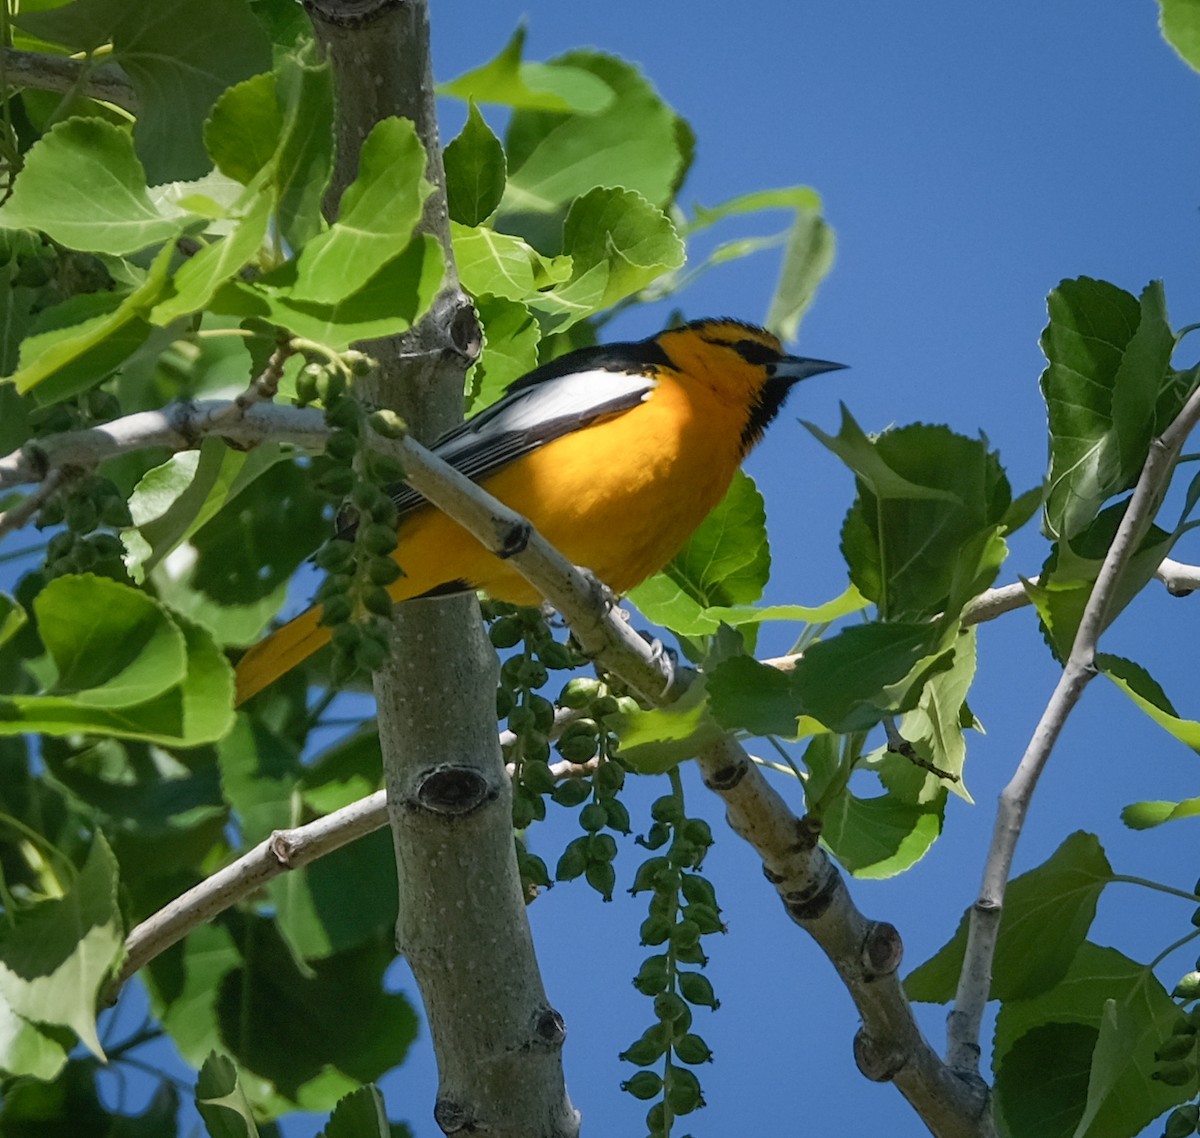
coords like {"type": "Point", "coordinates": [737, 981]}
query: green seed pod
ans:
{"type": "Point", "coordinates": [543, 711]}
{"type": "Point", "coordinates": [610, 777]}
{"type": "Point", "coordinates": [1188, 987]}
{"type": "Point", "coordinates": [668, 809]}
{"type": "Point", "coordinates": [306, 384]}
{"type": "Point", "coordinates": [656, 837]}
{"type": "Point", "coordinates": [83, 557]}
{"type": "Point", "coordinates": [387, 423]}
{"type": "Point", "coordinates": [685, 934]}
{"type": "Point", "coordinates": [336, 585]}
{"type": "Point", "coordinates": [557, 656]}
{"type": "Point", "coordinates": [1175, 1047]}
{"type": "Point", "coordinates": [644, 1085]}
{"type": "Point", "coordinates": [684, 855]}
{"type": "Point", "coordinates": [377, 600]}
{"type": "Point", "coordinates": [521, 720]}
{"type": "Point", "coordinates": [571, 792]}
{"type": "Point", "coordinates": [505, 632]}
{"type": "Point", "coordinates": [533, 870]}
{"type": "Point", "coordinates": [533, 673]}
{"type": "Point", "coordinates": [654, 976]}
{"type": "Point", "coordinates": [618, 816]}
{"type": "Point", "coordinates": [667, 879]}
{"type": "Point", "coordinates": [697, 832]}
{"type": "Point", "coordinates": [683, 1091]}
{"type": "Point", "coordinates": [592, 817]}
{"type": "Point", "coordinates": [601, 848]}
{"type": "Point", "coordinates": [579, 692]}
{"type": "Point", "coordinates": [573, 862]}
{"type": "Point", "coordinates": [662, 905]}
{"type": "Point", "coordinates": [1177, 1074]}
{"type": "Point", "coordinates": [649, 1048]}
{"type": "Point", "coordinates": [696, 989]}
{"type": "Point", "coordinates": [336, 481]}
{"type": "Point", "coordinates": [330, 385]}
{"type": "Point", "coordinates": [510, 672]}
{"type": "Point", "coordinates": [377, 539]}
{"type": "Point", "coordinates": [60, 545]}
{"type": "Point", "coordinates": [1182, 1121]}
{"type": "Point", "coordinates": [366, 496]}
{"type": "Point", "coordinates": [108, 546]}
{"type": "Point", "coordinates": [655, 930]}
{"type": "Point", "coordinates": [605, 705]}
{"type": "Point", "coordinates": [341, 446]}
{"type": "Point", "coordinates": [646, 874]}
{"type": "Point", "coordinates": [706, 918]}
{"type": "Point", "coordinates": [114, 512]}
{"type": "Point", "coordinates": [348, 636]}
{"type": "Point", "coordinates": [669, 1006]}
{"type": "Point", "coordinates": [382, 570]}
{"type": "Point", "coordinates": [336, 610]}
{"type": "Point", "coordinates": [522, 808]}
{"type": "Point", "coordinates": [335, 556]}
{"type": "Point", "coordinates": [698, 890]}
{"type": "Point", "coordinates": [692, 1049]}
{"type": "Point", "coordinates": [504, 702]}
{"type": "Point", "coordinates": [656, 1120]}
{"type": "Point", "coordinates": [344, 413]}
{"type": "Point", "coordinates": [1185, 1026]}
{"type": "Point", "coordinates": [578, 747]}
{"type": "Point", "coordinates": [385, 468]}
{"type": "Point", "coordinates": [51, 513]}
{"type": "Point", "coordinates": [370, 655]}
{"type": "Point", "coordinates": [342, 668]}
{"type": "Point", "coordinates": [359, 363]}
{"type": "Point", "coordinates": [694, 955]}
{"type": "Point", "coordinates": [537, 776]}
{"type": "Point", "coordinates": [602, 878]}
{"type": "Point", "coordinates": [81, 514]}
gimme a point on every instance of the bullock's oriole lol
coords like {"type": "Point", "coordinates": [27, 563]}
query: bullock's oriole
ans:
{"type": "Point", "coordinates": [615, 453]}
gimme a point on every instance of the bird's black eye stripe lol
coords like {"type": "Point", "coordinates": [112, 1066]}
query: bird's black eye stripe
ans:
{"type": "Point", "coordinates": [755, 353]}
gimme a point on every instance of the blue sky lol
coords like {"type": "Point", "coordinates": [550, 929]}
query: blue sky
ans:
{"type": "Point", "coordinates": [969, 156]}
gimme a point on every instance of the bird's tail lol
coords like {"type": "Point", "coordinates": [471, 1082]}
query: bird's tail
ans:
{"type": "Point", "coordinates": [280, 652]}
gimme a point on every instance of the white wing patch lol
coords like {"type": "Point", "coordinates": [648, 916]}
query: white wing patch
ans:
{"type": "Point", "coordinates": [539, 409]}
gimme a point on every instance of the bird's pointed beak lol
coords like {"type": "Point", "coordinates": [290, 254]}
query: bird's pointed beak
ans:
{"type": "Point", "coordinates": [792, 369]}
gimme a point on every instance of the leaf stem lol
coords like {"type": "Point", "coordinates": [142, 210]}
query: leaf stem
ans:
{"type": "Point", "coordinates": [1157, 886]}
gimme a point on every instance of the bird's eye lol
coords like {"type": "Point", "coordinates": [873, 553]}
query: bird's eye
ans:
{"type": "Point", "coordinates": [755, 353]}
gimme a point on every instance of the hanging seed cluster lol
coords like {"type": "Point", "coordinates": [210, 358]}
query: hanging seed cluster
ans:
{"type": "Point", "coordinates": [354, 598]}
{"type": "Point", "coordinates": [88, 508]}
{"type": "Point", "coordinates": [683, 909]}
{"type": "Point", "coordinates": [1177, 1058]}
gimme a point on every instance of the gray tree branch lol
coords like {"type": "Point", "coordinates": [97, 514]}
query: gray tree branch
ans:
{"type": "Point", "coordinates": [58, 73]}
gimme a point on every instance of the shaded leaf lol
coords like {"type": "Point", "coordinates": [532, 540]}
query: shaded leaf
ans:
{"type": "Point", "coordinates": [475, 171]}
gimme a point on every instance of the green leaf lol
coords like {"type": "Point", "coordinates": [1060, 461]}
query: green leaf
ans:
{"type": "Point", "coordinates": [390, 302]}
{"type": "Point", "coordinates": [83, 186]}
{"type": "Point", "coordinates": [923, 535]}
{"type": "Point", "coordinates": [935, 729]}
{"type": "Point", "coordinates": [634, 142]}
{"type": "Point", "coordinates": [259, 772]}
{"type": "Point", "coordinates": [1144, 690]}
{"type": "Point", "coordinates": [654, 741]}
{"type": "Point", "coordinates": [1046, 917]}
{"type": "Point", "coordinates": [259, 1003]}
{"type": "Point", "coordinates": [28, 1049]}
{"type": "Point", "coordinates": [56, 955]}
{"type": "Point", "coordinates": [726, 562]}
{"type": "Point", "coordinates": [475, 169]}
{"type": "Point", "coordinates": [1180, 25]}
{"type": "Point", "coordinates": [747, 695]}
{"type": "Point", "coordinates": [510, 349]}
{"type": "Point", "coordinates": [179, 55]}
{"type": "Point", "coordinates": [376, 216]}
{"type": "Point", "coordinates": [222, 1102]}
{"type": "Point", "coordinates": [852, 680]}
{"type": "Point", "coordinates": [530, 86]}
{"type": "Point", "coordinates": [500, 265]}
{"type": "Point", "coordinates": [1108, 358]}
{"type": "Point", "coordinates": [113, 646]}
{"type": "Point", "coordinates": [880, 837]}
{"type": "Point", "coordinates": [244, 129]}
{"type": "Point", "coordinates": [1042, 1085]}
{"type": "Point", "coordinates": [361, 1114]}
{"type": "Point", "coordinates": [199, 277]}
{"type": "Point", "coordinates": [76, 355]}
{"type": "Point", "coordinates": [12, 618]}
{"type": "Point", "coordinates": [1146, 815]}
{"type": "Point", "coordinates": [1099, 984]}
{"type": "Point", "coordinates": [345, 772]}
{"type": "Point", "coordinates": [807, 258]}
{"type": "Point", "coordinates": [342, 900]}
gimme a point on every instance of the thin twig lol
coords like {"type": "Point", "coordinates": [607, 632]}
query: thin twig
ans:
{"type": "Point", "coordinates": [36, 71]}
{"type": "Point", "coordinates": [24, 512]}
{"type": "Point", "coordinates": [975, 979]}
